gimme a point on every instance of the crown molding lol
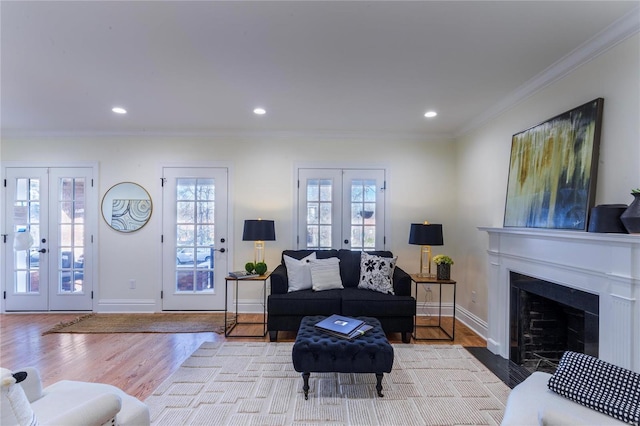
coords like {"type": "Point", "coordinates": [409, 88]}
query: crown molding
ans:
{"type": "Point", "coordinates": [615, 33]}
{"type": "Point", "coordinates": [238, 135]}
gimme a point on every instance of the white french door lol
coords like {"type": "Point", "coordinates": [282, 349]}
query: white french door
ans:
{"type": "Point", "coordinates": [49, 216]}
{"type": "Point", "coordinates": [194, 228]}
{"type": "Point", "coordinates": [341, 208]}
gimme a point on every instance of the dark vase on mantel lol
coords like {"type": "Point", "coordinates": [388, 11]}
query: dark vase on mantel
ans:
{"type": "Point", "coordinates": [631, 216]}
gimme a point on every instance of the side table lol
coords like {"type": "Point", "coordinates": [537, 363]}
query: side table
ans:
{"type": "Point", "coordinates": [429, 281]}
{"type": "Point", "coordinates": [237, 281]}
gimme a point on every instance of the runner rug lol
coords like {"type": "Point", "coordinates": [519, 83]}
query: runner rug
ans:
{"type": "Point", "coordinates": [240, 383]}
{"type": "Point", "coordinates": [144, 323]}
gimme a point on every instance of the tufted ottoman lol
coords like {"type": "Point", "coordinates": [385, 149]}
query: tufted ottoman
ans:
{"type": "Point", "coordinates": [318, 352]}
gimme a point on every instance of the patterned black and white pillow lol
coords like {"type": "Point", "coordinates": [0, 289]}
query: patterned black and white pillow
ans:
{"type": "Point", "coordinates": [376, 272]}
{"type": "Point", "coordinates": [599, 385]}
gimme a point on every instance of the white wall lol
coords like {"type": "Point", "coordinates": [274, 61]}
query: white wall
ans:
{"type": "Point", "coordinates": [461, 185]}
{"type": "Point", "coordinates": [483, 157]}
{"type": "Point", "coordinates": [421, 175]}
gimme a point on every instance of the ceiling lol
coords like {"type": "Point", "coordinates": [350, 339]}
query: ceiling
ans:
{"type": "Point", "coordinates": [182, 67]}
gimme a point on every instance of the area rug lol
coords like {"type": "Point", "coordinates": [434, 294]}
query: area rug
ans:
{"type": "Point", "coordinates": [144, 323]}
{"type": "Point", "coordinates": [239, 383]}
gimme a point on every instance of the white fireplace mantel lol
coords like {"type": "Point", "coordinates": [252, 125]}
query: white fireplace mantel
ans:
{"type": "Point", "coordinates": [607, 265]}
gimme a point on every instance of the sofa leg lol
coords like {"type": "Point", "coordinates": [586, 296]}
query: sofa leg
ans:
{"type": "Point", "coordinates": [273, 335]}
{"type": "Point", "coordinates": [406, 337]}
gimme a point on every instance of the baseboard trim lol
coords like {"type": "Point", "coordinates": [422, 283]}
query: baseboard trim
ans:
{"type": "Point", "coordinates": [127, 306]}
{"type": "Point", "coordinates": [479, 326]}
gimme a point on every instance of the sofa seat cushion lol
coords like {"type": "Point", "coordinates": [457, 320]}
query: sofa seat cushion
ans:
{"type": "Point", "coordinates": [360, 302]}
{"type": "Point", "coordinates": [133, 411]}
{"type": "Point", "coordinates": [304, 301]}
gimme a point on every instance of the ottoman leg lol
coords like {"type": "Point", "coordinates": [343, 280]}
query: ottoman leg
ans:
{"type": "Point", "coordinates": [379, 384]}
{"type": "Point", "coordinates": [305, 387]}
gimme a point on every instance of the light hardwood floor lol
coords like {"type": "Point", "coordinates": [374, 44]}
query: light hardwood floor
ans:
{"type": "Point", "coordinates": [135, 362]}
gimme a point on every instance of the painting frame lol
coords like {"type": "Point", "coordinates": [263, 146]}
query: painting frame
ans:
{"type": "Point", "coordinates": [553, 170]}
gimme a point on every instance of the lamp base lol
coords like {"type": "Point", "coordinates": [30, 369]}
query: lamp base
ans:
{"type": "Point", "coordinates": [426, 275]}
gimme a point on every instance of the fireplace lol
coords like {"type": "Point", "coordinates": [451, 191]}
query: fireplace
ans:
{"type": "Point", "coordinates": [605, 266]}
{"type": "Point", "coordinates": [546, 319]}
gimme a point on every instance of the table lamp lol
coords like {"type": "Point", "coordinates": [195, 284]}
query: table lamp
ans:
{"type": "Point", "coordinates": [259, 231]}
{"type": "Point", "coordinates": [426, 235]}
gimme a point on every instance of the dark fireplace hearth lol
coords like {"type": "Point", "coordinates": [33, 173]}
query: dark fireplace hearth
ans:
{"type": "Point", "coordinates": [547, 319]}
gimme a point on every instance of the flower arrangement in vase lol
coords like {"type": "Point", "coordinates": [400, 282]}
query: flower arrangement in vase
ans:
{"type": "Point", "coordinates": [443, 263]}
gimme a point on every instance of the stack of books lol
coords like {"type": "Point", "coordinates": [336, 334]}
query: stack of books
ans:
{"type": "Point", "coordinates": [343, 327]}
{"type": "Point", "coordinates": [242, 274]}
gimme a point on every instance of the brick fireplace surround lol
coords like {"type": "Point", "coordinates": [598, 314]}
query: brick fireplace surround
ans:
{"type": "Point", "coordinates": [607, 265]}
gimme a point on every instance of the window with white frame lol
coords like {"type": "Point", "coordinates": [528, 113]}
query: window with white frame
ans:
{"type": "Point", "coordinates": [341, 208]}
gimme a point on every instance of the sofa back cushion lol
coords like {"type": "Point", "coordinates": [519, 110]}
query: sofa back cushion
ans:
{"type": "Point", "coordinates": [350, 265]}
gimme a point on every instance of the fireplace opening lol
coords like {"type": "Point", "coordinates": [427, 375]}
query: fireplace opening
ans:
{"type": "Point", "coordinates": [547, 319]}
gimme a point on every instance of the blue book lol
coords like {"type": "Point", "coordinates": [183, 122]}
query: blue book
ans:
{"type": "Point", "coordinates": [339, 325]}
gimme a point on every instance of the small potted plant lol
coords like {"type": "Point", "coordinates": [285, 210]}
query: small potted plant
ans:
{"type": "Point", "coordinates": [443, 263]}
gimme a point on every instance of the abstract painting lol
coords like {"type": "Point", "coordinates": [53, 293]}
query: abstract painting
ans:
{"type": "Point", "coordinates": [553, 170]}
{"type": "Point", "coordinates": [130, 215]}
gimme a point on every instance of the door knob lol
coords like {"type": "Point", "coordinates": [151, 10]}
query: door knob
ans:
{"type": "Point", "coordinates": [222, 250]}
{"type": "Point", "coordinates": [43, 250]}
{"type": "Point", "coordinates": [346, 241]}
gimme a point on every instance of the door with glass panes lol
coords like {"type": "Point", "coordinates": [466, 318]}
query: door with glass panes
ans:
{"type": "Point", "coordinates": [194, 249]}
{"type": "Point", "coordinates": [49, 216]}
{"type": "Point", "coordinates": [341, 208]}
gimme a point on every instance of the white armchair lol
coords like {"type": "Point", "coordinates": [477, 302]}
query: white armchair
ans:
{"type": "Point", "coordinates": [67, 403]}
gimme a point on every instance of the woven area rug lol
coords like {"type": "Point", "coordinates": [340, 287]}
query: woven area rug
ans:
{"type": "Point", "coordinates": [144, 323]}
{"type": "Point", "coordinates": [239, 383]}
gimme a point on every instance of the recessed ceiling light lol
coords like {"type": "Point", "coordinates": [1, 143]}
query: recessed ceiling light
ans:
{"type": "Point", "coordinates": [119, 110]}
{"type": "Point", "coordinates": [259, 111]}
{"type": "Point", "coordinates": [430, 114]}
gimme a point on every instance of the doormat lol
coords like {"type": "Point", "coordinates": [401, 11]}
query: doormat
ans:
{"type": "Point", "coordinates": [145, 323]}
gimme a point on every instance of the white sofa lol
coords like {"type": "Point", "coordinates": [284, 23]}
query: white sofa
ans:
{"type": "Point", "coordinates": [67, 403]}
{"type": "Point", "coordinates": [532, 403]}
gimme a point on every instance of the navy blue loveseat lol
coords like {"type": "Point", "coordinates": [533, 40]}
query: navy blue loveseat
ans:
{"type": "Point", "coordinates": [394, 311]}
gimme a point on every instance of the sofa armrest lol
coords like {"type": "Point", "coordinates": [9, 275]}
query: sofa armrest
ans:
{"type": "Point", "coordinates": [32, 385]}
{"type": "Point", "coordinates": [279, 280]}
{"type": "Point", "coordinates": [401, 282]}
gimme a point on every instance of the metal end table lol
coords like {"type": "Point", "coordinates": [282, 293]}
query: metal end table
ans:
{"type": "Point", "coordinates": [237, 281]}
{"type": "Point", "coordinates": [417, 279]}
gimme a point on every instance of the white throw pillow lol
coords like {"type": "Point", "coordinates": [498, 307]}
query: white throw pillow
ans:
{"type": "Point", "coordinates": [298, 272]}
{"type": "Point", "coordinates": [376, 273]}
{"type": "Point", "coordinates": [325, 274]}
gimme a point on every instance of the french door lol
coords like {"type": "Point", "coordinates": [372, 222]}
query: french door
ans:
{"type": "Point", "coordinates": [341, 208]}
{"type": "Point", "coordinates": [49, 213]}
{"type": "Point", "coordinates": [194, 228]}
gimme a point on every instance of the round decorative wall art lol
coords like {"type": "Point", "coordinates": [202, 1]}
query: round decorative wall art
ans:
{"type": "Point", "coordinates": [126, 207]}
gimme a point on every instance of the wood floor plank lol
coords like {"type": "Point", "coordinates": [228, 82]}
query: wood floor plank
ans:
{"type": "Point", "coordinates": [135, 362]}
